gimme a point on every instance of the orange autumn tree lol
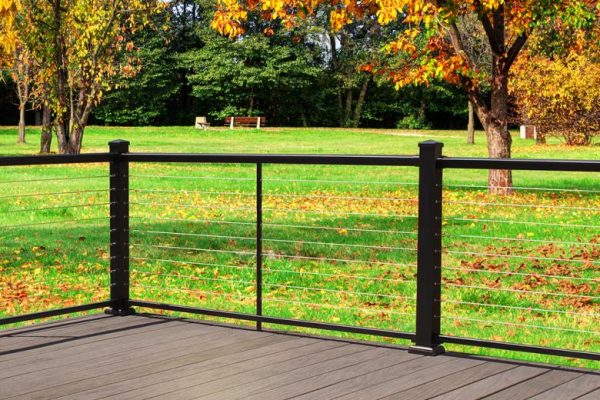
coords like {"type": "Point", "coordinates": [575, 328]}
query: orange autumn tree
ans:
{"type": "Point", "coordinates": [443, 56]}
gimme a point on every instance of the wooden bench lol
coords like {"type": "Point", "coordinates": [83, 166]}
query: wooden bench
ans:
{"type": "Point", "coordinates": [201, 123]}
{"type": "Point", "coordinates": [248, 122]}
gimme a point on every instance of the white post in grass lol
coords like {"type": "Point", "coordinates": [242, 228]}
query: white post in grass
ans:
{"type": "Point", "coordinates": [231, 123]}
{"type": "Point", "coordinates": [257, 122]}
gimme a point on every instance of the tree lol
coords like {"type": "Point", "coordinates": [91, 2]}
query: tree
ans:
{"type": "Point", "coordinates": [79, 44]}
{"type": "Point", "coordinates": [144, 99]}
{"type": "Point", "coordinates": [22, 74]}
{"type": "Point", "coordinates": [242, 76]}
{"type": "Point", "coordinates": [507, 25]}
{"type": "Point", "coordinates": [561, 96]}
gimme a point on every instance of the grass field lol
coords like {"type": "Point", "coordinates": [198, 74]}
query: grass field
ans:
{"type": "Point", "coordinates": [339, 241]}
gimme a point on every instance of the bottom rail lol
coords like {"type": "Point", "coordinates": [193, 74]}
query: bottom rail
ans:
{"type": "Point", "coordinates": [275, 320]}
{"type": "Point", "coordinates": [520, 347]}
{"type": "Point", "coordinates": [54, 313]}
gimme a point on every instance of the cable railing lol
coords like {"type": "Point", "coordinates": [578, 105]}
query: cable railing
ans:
{"type": "Point", "coordinates": [48, 224]}
{"type": "Point", "coordinates": [522, 270]}
{"type": "Point", "coordinates": [368, 245]}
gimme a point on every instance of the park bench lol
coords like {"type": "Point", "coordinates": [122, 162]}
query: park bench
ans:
{"type": "Point", "coordinates": [247, 122]}
{"type": "Point", "coordinates": [201, 123]}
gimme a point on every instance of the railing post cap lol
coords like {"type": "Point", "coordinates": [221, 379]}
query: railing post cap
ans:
{"type": "Point", "coordinates": [119, 146]}
{"type": "Point", "coordinates": [431, 143]}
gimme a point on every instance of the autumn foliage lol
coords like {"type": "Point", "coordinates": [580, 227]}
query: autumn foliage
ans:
{"type": "Point", "coordinates": [560, 96]}
{"type": "Point", "coordinates": [431, 45]}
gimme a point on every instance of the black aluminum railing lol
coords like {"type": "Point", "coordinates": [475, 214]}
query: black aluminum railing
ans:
{"type": "Point", "coordinates": [428, 336]}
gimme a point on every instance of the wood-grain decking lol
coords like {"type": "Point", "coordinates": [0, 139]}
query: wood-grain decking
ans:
{"type": "Point", "coordinates": [143, 357]}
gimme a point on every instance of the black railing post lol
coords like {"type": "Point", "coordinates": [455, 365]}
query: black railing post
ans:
{"type": "Point", "coordinates": [119, 230]}
{"type": "Point", "coordinates": [429, 257]}
{"type": "Point", "coordinates": [259, 210]}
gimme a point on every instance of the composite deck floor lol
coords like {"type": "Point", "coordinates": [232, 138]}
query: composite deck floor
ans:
{"type": "Point", "coordinates": [142, 357]}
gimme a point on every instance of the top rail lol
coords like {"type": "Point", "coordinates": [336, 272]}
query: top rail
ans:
{"type": "Point", "coordinates": [55, 159]}
{"type": "Point", "coordinates": [327, 159]}
{"type": "Point", "coordinates": [314, 159]}
{"type": "Point", "coordinates": [520, 164]}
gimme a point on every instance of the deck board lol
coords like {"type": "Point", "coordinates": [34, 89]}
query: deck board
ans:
{"type": "Point", "coordinates": [143, 357]}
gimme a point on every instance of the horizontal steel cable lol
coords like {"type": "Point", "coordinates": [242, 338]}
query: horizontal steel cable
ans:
{"type": "Point", "coordinates": [523, 188]}
{"type": "Point", "coordinates": [185, 191]}
{"type": "Point", "coordinates": [76, 178]}
{"type": "Point", "coordinates": [389, 296]}
{"type": "Point", "coordinates": [474, 203]}
{"type": "Point", "coordinates": [134, 285]}
{"type": "Point", "coordinates": [520, 308]}
{"type": "Point", "coordinates": [201, 264]}
{"type": "Point", "coordinates": [56, 222]}
{"type": "Point", "coordinates": [341, 244]}
{"type": "Point", "coordinates": [212, 178]}
{"type": "Point", "coordinates": [343, 197]}
{"type": "Point", "coordinates": [54, 194]}
{"type": "Point", "coordinates": [532, 292]}
{"type": "Point", "coordinates": [204, 221]}
{"type": "Point", "coordinates": [358, 277]}
{"type": "Point", "coordinates": [341, 181]}
{"type": "Point", "coordinates": [336, 307]}
{"type": "Point", "coordinates": [266, 255]}
{"type": "Point", "coordinates": [293, 210]}
{"type": "Point", "coordinates": [250, 253]}
{"type": "Point", "coordinates": [197, 206]}
{"type": "Point", "coordinates": [67, 207]}
{"type": "Point", "coordinates": [523, 223]}
{"type": "Point", "coordinates": [193, 235]}
{"type": "Point", "coordinates": [484, 271]}
{"type": "Point", "coordinates": [192, 277]}
{"type": "Point", "coordinates": [522, 240]}
{"type": "Point", "coordinates": [340, 228]}
{"type": "Point", "coordinates": [472, 253]}
{"type": "Point", "coordinates": [552, 328]}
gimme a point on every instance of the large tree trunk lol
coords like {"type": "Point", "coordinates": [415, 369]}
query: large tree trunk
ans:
{"type": "Point", "coordinates": [499, 142]}
{"type": "Point", "coordinates": [471, 126]}
{"type": "Point", "coordinates": [360, 102]}
{"type": "Point", "coordinates": [46, 139]}
{"type": "Point", "coordinates": [21, 139]}
{"type": "Point", "coordinates": [498, 136]}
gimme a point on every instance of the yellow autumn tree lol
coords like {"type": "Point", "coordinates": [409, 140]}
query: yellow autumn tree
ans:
{"type": "Point", "coordinates": [80, 46]}
{"type": "Point", "coordinates": [8, 33]}
{"type": "Point", "coordinates": [561, 96]}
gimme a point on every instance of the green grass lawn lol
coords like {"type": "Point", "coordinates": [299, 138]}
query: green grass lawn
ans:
{"type": "Point", "coordinates": [339, 241]}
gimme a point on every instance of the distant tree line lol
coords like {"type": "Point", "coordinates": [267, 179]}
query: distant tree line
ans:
{"type": "Point", "coordinates": [304, 77]}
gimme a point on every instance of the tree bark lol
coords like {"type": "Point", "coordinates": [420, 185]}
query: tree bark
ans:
{"type": "Point", "coordinates": [360, 102]}
{"type": "Point", "coordinates": [499, 143]}
{"type": "Point", "coordinates": [471, 126]}
{"type": "Point", "coordinates": [46, 139]}
{"type": "Point", "coordinates": [498, 136]}
{"type": "Point", "coordinates": [21, 139]}
{"type": "Point", "coordinates": [348, 108]}
{"type": "Point", "coordinates": [62, 121]}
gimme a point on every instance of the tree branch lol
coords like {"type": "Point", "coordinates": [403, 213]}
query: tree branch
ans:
{"type": "Point", "coordinates": [489, 29]}
{"type": "Point", "coordinates": [514, 50]}
{"type": "Point", "coordinates": [471, 88]}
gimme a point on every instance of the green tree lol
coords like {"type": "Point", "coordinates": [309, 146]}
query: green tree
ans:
{"type": "Point", "coordinates": [254, 74]}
